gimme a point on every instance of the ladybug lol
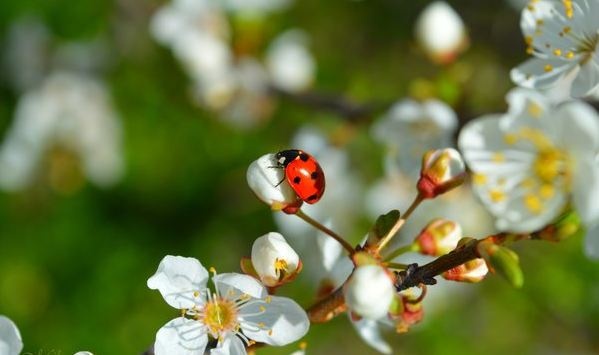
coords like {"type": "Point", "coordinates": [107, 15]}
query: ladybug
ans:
{"type": "Point", "coordinates": [303, 173]}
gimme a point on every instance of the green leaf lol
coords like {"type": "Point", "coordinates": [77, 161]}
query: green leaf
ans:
{"type": "Point", "coordinates": [382, 226]}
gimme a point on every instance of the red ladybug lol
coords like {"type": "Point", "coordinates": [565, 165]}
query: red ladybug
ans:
{"type": "Point", "coordinates": [303, 173]}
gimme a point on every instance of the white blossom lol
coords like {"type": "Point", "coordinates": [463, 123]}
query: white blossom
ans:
{"type": "Point", "coordinates": [10, 337]}
{"type": "Point", "coordinates": [441, 32]}
{"type": "Point", "coordinates": [290, 64]}
{"type": "Point", "coordinates": [274, 259]}
{"type": "Point", "coordinates": [69, 111]}
{"type": "Point", "coordinates": [529, 163]}
{"type": "Point", "coordinates": [563, 37]}
{"type": "Point", "coordinates": [268, 182]}
{"type": "Point", "coordinates": [238, 313]}
{"type": "Point", "coordinates": [25, 53]}
{"type": "Point", "coordinates": [369, 292]}
{"type": "Point", "coordinates": [411, 128]}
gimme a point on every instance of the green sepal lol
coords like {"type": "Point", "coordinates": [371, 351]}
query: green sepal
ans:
{"type": "Point", "coordinates": [568, 225]}
{"type": "Point", "coordinates": [396, 307]}
{"type": "Point", "coordinates": [363, 258]}
{"type": "Point", "coordinates": [247, 267]}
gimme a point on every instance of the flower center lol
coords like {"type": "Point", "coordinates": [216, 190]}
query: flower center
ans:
{"type": "Point", "coordinates": [280, 266]}
{"type": "Point", "coordinates": [550, 164]}
{"type": "Point", "coordinates": [220, 316]}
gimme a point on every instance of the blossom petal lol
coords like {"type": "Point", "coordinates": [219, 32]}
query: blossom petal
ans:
{"type": "Point", "coordinates": [268, 183]}
{"type": "Point", "coordinates": [591, 242]}
{"type": "Point", "coordinates": [10, 337]}
{"type": "Point", "coordinates": [181, 336]}
{"type": "Point", "coordinates": [587, 79]}
{"type": "Point", "coordinates": [534, 73]}
{"type": "Point", "coordinates": [278, 322]}
{"type": "Point", "coordinates": [586, 190]}
{"type": "Point", "coordinates": [577, 126]}
{"type": "Point", "coordinates": [180, 280]}
{"type": "Point", "coordinates": [229, 345]}
{"type": "Point", "coordinates": [234, 285]}
{"type": "Point", "coordinates": [369, 332]}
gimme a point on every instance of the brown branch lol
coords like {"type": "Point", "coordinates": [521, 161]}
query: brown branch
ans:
{"type": "Point", "coordinates": [338, 105]}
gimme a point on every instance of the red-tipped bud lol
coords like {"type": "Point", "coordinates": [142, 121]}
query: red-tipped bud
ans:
{"type": "Point", "coordinates": [442, 170]}
{"type": "Point", "coordinates": [439, 237]}
{"type": "Point", "coordinates": [471, 271]}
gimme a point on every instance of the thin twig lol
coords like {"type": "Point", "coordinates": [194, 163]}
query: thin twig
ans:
{"type": "Point", "coordinates": [326, 230]}
{"type": "Point", "coordinates": [338, 105]}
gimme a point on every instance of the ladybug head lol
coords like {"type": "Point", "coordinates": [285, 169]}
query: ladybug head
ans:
{"type": "Point", "coordinates": [285, 157]}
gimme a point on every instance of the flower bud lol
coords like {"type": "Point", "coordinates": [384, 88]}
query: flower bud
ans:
{"type": "Point", "coordinates": [10, 337]}
{"type": "Point", "coordinates": [369, 292]}
{"type": "Point", "coordinates": [412, 313]}
{"type": "Point", "coordinates": [268, 182]}
{"type": "Point", "coordinates": [274, 261]}
{"type": "Point", "coordinates": [442, 170]}
{"type": "Point", "coordinates": [472, 271]}
{"type": "Point", "coordinates": [502, 260]}
{"type": "Point", "coordinates": [439, 237]}
{"type": "Point", "coordinates": [440, 32]}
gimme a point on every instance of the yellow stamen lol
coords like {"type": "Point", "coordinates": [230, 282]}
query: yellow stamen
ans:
{"type": "Point", "coordinates": [479, 179]}
{"type": "Point", "coordinates": [533, 203]}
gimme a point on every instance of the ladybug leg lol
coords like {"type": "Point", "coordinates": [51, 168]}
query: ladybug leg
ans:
{"type": "Point", "coordinates": [280, 182]}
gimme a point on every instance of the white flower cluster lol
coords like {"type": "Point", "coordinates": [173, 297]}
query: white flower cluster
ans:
{"type": "Point", "coordinates": [238, 312]}
{"type": "Point", "coordinates": [228, 79]}
{"type": "Point", "coordinates": [69, 111]}
{"type": "Point", "coordinates": [64, 118]}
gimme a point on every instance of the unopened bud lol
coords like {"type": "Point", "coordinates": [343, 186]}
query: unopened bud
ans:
{"type": "Point", "coordinates": [442, 170]}
{"type": "Point", "coordinates": [268, 182]}
{"type": "Point", "coordinates": [566, 226]}
{"type": "Point", "coordinates": [274, 261]}
{"type": "Point", "coordinates": [441, 32]}
{"type": "Point", "coordinates": [369, 292]}
{"type": "Point", "coordinates": [439, 237]}
{"type": "Point", "coordinates": [412, 313]}
{"type": "Point", "coordinates": [472, 271]}
{"type": "Point", "coordinates": [503, 261]}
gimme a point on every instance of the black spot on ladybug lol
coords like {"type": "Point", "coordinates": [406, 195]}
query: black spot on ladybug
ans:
{"type": "Point", "coordinates": [312, 197]}
{"type": "Point", "coordinates": [296, 180]}
{"type": "Point", "coordinates": [314, 175]}
{"type": "Point", "coordinates": [303, 156]}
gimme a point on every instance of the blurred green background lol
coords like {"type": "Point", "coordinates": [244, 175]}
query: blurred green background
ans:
{"type": "Point", "coordinates": [73, 267]}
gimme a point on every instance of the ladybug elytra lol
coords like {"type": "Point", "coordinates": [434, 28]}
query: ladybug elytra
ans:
{"type": "Point", "coordinates": [303, 173]}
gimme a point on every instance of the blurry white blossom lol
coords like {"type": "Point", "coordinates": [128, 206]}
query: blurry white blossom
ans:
{"type": "Point", "coordinates": [10, 337]}
{"type": "Point", "coordinates": [232, 82]}
{"type": "Point", "coordinates": [529, 163]}
{"type": "Point", "coordinates": [518, 5]}
{"type": "Point", "coordinates": [237, 313]}
{"type": "Point", "coordinates": [369, 292]}
{"type": "Point", "coordinates": [255, 7]}
{"type": "Point", "coordinates": [440, 32]}
{"type": "Point", "coordinates": [273, 259]}
{"type": "Point", "coordinates": [25, 53]}
{"type": "Point", "coordinates": [69, 111]}
{"type": "Point", "coordinates": [289, 62]}
{"type": "Point", "coordinates": [410, 129]}
{"type": "Point", "coordinates": [563, 37]}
